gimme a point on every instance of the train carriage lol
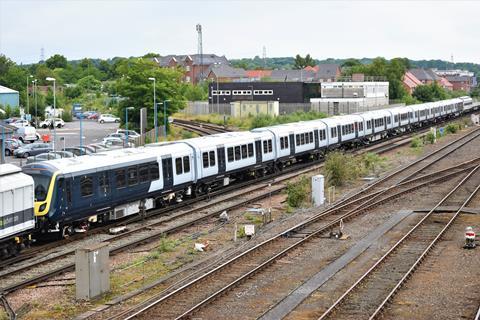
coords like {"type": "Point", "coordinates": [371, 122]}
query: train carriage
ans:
{"type": "Point", "coordinates": [17, 219]}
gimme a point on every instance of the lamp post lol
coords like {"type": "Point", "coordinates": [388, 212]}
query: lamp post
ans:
{"type": "Point", "coordinates": [126, 124]}
{"type": "Point", "coordinates": [3, 140]}
{"type": "Point", "coordinates": [34, 82]}
{"type": "Point", "coordinates": [28, 103]}
{"type": "Point", "coordinates": [165, 117]}
{"type": "Point", "coordinates": [54, 111]}
{"type": "Point", "coordinates": [155, 117]}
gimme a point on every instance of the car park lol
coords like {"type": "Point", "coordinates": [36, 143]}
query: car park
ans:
{"type": "Point", "coordinates": [131, 133]}
{"type": "Point", "coordinates": [21, 123]}
{"type": "Point", "coordinates": [50, 156]}
{"type": "Point", "coordinates": [59, 123]}
{"type": "Point", "coordinates": [11, 145]}
{"type": "Point", "coordinates": [32, 150]}
{"type": "Point", "coordinates": [93, 116]}
{"type": "Point", "coordinates": [104, 118]}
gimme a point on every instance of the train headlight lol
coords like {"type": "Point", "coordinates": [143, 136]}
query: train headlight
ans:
{"type": "Point", "coordinates": [42, 207]}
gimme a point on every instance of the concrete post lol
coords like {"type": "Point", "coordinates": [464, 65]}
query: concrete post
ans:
{"type": "Point", "coordinates": [318, 192]}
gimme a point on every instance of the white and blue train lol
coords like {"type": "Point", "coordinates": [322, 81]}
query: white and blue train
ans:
{"type": "Point", "coordinates": [73, 192]}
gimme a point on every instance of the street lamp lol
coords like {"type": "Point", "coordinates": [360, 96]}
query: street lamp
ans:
{"type": "Point", "coordinates": [34, 82]}
{"type": "Point", "coordinates": [165, 117]}
{"type": "Point", "coordinates": [3, 140]}
{"type": "Point", "coordinates": [126, 124]}
{"type": "Point", "coordinates": [216, 64]}
{"type": "Point", "coordinates": [54, 110]}
{"type": "Point", "coordinates": [155, 117]}
{"type": "Point", "coordinates": [28, 103]}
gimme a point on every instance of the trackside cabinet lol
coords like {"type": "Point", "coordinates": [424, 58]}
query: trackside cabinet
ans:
{"type": "Point", "coordinates": [92, 271]}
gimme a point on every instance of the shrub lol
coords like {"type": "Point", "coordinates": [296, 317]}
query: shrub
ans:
{"type": "Point", "coordinates": [452, 128]}
{"type": "Point", "coordinates": [371, 161]}
{"type": "Point", "coordinates": [297, 192]}
{"type": "Point", "coordinates": [416, 142]}
{"type": "Point", "coordinates": [340, 168]}
{"type": "Point", "coordinates": [430, 138]}
{"type": "Point", "coordinates": [67, 116]}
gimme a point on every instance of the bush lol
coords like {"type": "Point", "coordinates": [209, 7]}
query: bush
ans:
{"type": "Point", "coordinates": [67, 116]}
{"type": "Point", "coordinates": [297, 192]}
{"type": "Point", "coordinates": [340, 168]}
{"type": "Point", "coordinates": [371, 161]}
{"type": "Point", "coordinates": [416, 142]}
{"type": "Point", "coordinates": [430, 138]}
{"type": "Point", "coordinates": [452, 128]}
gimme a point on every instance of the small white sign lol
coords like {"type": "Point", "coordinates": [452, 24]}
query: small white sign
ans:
{"type": "Point", "coordinates": [249, 229]}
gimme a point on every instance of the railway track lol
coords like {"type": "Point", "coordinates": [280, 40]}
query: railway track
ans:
{"type": "Point", "coordinates": [203, 129]}
{"type": "Point", "coordinates": [369, 295]}
{"type": "Point", "coordinates": [185, 300]}
{"type": "Point", "coordinates": [35, 272]}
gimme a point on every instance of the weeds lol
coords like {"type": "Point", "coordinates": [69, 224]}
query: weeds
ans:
{"type": "Point", "coordinates": [430, 138]}
{"type": "Point", "coordinates": [340, 168]}
{"type": "Point", "coordinates": [416, 142]}
{"type": "Point", "coordinates": [297, 192]}
{"type": "Point", "coordinates": [452, 128]}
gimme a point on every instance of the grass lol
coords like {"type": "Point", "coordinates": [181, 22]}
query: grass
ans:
{"type": "Point", "coordinates": [254, 218]}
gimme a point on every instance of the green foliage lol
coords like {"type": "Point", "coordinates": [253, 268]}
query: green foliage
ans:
{"type": "Point", "coordinates": [56, 61]}
{"type": "Point", "coordinates": [430, 92]}
{"type": "Point", "coordinates": [241, 232]}
{"type": "Point", "coordinates": [430, 138]}
{"type": "Point", "coordinates": [137, 90]}
{"type": "Point", "coordinates": [297, 192]}
{"type": "Point", "coordinates": [340, 168]}
{"type": "Point", "coordinates": [372, 161]}
{"type": "Point", "coordinates": [167, 245]}
{"type": "Point", "coordinates": [67, 116]}
{"type": "Point", "coordinates": [195, 92]}
{"type": "Point", "coordinates": [89, 83]}
{"type": "Point", "coordinates": [73, 92]}
{"type": "Point", "coordinates": [416, 142]}
{"type": "Point", "coordinates": [452, 128]}
{"type": "Point", "coordinates": [254, 218]}
{"type": "Point", "coordinates": [187, 134]}
{"type": "Point", "coordinates": [264, 120]}
{"type": "Point", "coordinates": [301, 62]}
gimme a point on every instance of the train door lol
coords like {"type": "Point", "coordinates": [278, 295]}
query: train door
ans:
{"type": "Point", "coordinates": [221, 159]}
{"type": "Point", "coordinates": [167, 171]}
{"type": "Point", "coordinates": [258, 151]}
{"type": "Point", "coordinates": [316, 139]}
{"type": "Point", "coordinates": [104, 188]}
{"type": "Point", "coordinates": [68, 194]}
{"type": "Point", "coordinates": [292, 144]}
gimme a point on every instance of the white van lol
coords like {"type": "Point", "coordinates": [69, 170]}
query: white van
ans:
{"type": "Point", "coordinates": [26, 134]}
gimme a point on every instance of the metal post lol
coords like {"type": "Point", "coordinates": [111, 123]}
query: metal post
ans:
{"type": "Point", "coordinates": [28, 103]}
{"type": "Point", "coordinates": [165, 118]}
{"type": "Point", "coordinates": [3, 144]}
{"type": "Point", "coordinates": [81, 131]}
{"type": "Point", "coordinates": [126, 126]}
{"type": "Point", "coordinates": [218, 96]}
{"type": "Point", "coordinates": [54, 115]}
{"type": "Point", "coordinates": [35, 97]}
{"type": "Point", "coordinates": [155, 111]}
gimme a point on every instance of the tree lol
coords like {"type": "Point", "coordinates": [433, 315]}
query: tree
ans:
{"type": "Point", "coordinates": [423, 93]}
{"type": "Point", "coordinates": [89, 83]}
{"type": "Point", "coordinates": [56, 61]}
{"type": "Point", "coordinates": [301, 63]}
{"type": "Point", "coordinates": [137, 90]}
{"type": "Point", "coordinates": [351, 63]}
{"type": "Point", "coordinates": [73, 92]}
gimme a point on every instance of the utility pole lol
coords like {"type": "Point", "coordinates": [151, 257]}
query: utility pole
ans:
{"type": "Point", "coordinates": [200, 49]}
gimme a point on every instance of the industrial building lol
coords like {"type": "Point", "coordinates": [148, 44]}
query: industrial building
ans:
{"type": "Point", "coordinates": [9, 97]}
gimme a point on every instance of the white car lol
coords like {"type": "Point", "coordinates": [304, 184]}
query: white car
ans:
{"type": "Point", "coordinates": [21, 123]}
{"type": "Point", "coordinates": [59, 123]}
{"type": "Point", "coordinates": [114, 141]}
{"type": "Point", "coordinates": [108, 118]}
{"type": "Point", "coordinates": [131, 133]}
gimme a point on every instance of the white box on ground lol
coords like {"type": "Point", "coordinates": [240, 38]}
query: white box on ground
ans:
{"type": "Point", "coordinates": [249, 230]}
{"type": "Point", "coordinates": [318, 192]}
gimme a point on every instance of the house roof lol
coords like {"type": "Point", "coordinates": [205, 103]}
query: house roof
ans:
{"type": "Point", "coordinates": [258, 73]}
{"type": "Point", "coordinates": [445, 83]}
{"type": "Point", "coordinates": [410, 80]}
{"type": "Point", "coordinates": [458, 78]}
{"type": "Point", "coordinates": [292, 75]}
{"type": "Point", "coordinates": [205, 59]}
{"type": "Point", "coordinates": [425, 74]}
{"type": "Point", "coordinates": [226, 71]}
{"type": "Point", "coordinates": [327, 70]}
{"type": "Point", "coordinates": [7, 90]}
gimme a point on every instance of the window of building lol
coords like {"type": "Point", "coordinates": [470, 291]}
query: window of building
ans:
{"type": "Point", "coordinates": [250, 150]}
{"type": "Point", "coordinates": [205, 159]}
{"type": "Point", "coordinates": [86, 186]}
{"type": "Point", "coordinates": [230, 154]}
{"type": "Point", "coordinates": [178, 166]}
{"type": "Point", "coordinates": [132, 176]}
{"type": "Point", "coordinates": [143, 173]}
{"type": "Point", "coordinates": [186, 164]}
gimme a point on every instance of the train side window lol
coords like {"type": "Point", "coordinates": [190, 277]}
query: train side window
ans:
{"type": "Point", "coordinates": [244, 151]}
{"type": "Point", "coordinates": [186, 164]}
{"type": "Point", "coordinates": [212, 158]}
{"type": "Point", "coordinates": [132, 176]}
{"type": "Point", "coordinates": [250, 150]}
{"type": "Point", "coordinates": [205, 159]}
{"type": "Point", "coordinates": [178, 165]}
{"type": "Point", "coordinates": [311, 136]}
{"type": "Point", "coordinates": [237, 153]}
{"type": "Point", "coordinates": [281, 143]}
{"type": "Point", "coordinates": [154, 174]}
{"type": "Point", "coordinates": [86, 186]}
{"type": "Point", "coordinates": [297, 139]}
{"type": "Point", "coordinates": [143, 173]}
{"type": "Point", "coordinates": [270, 147]}
{"type": "Point", "coordinates": [285, 142]}
{"type": "Point", "coordinates": [230, 154]}
{"type": "Point", "coordinates": [302, 139]}
{"type": "Point", "coordinates": [120, 175]}
{"type": "Point", "coordinates": [265, 150]}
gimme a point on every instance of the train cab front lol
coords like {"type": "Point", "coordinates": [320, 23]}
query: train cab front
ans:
{"type": "Point", "coordinates": [44, 177]}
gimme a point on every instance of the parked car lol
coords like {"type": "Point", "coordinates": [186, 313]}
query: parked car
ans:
{"type": "Point", "coordinates": [11, 120]}
{"type": "Point", "coordinates": [48, 123]}
{"type": "Point", "coordinates": [32, 150]}
{"type": "Point", "coordinates": [43, 157]}
{"type": "Point", "coordinates": [116, 135]}
{"type": "Point", "coordinates": [108, 118]}
{"type": "Point", "coordinates": [131, 133]}
{"type": "Point", "coordinates": [93, 116]}
{"type": "Point", "coordinates": [26, 134]}
{"type": "Point", "coordinates": [114, 141]}
{"type": "Point", "coordinates": [11, 145]}
{"type": "Point", "coordinates": [79, 151]}
{"type": "Point", "coordinates": [20, 123]}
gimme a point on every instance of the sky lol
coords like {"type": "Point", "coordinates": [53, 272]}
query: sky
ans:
{"type": "Point", "coordinates": [240, 29]}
